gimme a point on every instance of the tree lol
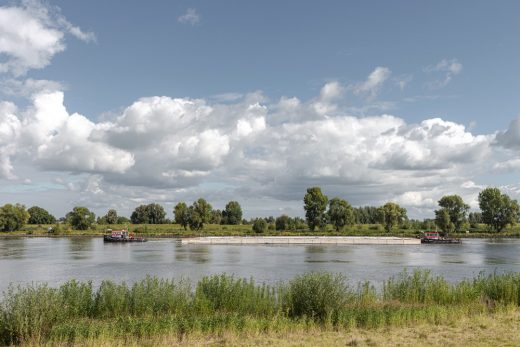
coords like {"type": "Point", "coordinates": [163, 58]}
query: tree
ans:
{"type": "Point", "coordinates": [140, 215]}
{"type": "Point", "coordinates": [259, 226]}
{"type": "Point", "coordinates": [216, 217]}
{"type": "Point", "coordinates": [13, 217]}
{"type": "Point", "coordinates": [315, 204]}
{"type": "Point", "coordinates": [111, 217]}
{"type": "Point", "coordinates": [443, 220]}
{"type": "Point", "coordinates": [391, 214]}
{"type": "Point", "coordinates": [498, 210]}
{"type": "Point", "coordinates": [38, 215]}
{"type": "Point", "coordinates": [80, 218]}
{"type": "Point", "coordinates": [340, 213]}
{"type": "Point", "coordinates": [474, 219]}
{"type": "Point", "coordinates": [148, 214]}
{"type": "Point", "coordinates": [156, 214]}
{"type": "Point", "coordinates": [366, 215]}
{"type": "Point", "coordinates": [284, 222]}
{"type": "Point", "coordinates": [232, 214]}
{"type": "Point", "coordinates": [123, 220]}
{"type": "Point", "coordinates": [452, 215]}
{"type": "Point", "coordinates": [200, 213]}
{"type": "Point", "coordinates": [182, 215]}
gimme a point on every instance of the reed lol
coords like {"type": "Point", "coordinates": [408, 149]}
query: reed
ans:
{"type": "Point", "coordinates": [218, 304]}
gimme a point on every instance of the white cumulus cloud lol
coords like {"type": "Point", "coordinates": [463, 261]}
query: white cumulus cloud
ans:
{"type": "Point", "coordinates": [30, 35]}
{"type": "Point", "coordinates": [371, 86]}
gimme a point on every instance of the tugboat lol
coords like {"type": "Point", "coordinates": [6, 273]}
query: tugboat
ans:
{"type": "Point", "coordinates": [122, 236]}
{"type": "Point", "coordinates": [434, 237]}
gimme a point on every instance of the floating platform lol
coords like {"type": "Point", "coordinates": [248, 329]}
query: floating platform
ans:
{"type": "Point", "coordinates": [301, 240]}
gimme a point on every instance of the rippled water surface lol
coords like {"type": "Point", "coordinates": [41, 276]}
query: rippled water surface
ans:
{"type": "Point", "coordinates": [55, 260]}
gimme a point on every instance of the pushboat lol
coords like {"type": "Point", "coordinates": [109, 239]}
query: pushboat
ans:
{"type": "Point", "coordinates": [435, 238]}
{"type": "Point", "coordinates": [122, 236]}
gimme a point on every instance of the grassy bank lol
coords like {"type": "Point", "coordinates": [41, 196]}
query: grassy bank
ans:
{"type": "Point", "coordinates": [222, 305]}
{"type": "Point", "coordinates": [175, 230]}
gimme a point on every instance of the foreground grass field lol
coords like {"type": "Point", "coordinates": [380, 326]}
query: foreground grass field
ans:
{"type": "Point", "coordinates": [175, 230]}
{"type": "Point", "coordinates": [320, 309]}
{"type": "Point", "coordinates": [499, 329]}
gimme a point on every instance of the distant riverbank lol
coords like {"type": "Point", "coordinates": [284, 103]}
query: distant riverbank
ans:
{"type": "Point", "coordinates": [176, 231]}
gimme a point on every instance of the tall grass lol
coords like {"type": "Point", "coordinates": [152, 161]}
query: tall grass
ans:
{"type": "Point", "coordinates": [77, 311]}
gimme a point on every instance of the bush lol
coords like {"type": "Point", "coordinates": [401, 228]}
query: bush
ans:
{"type": "Point", "coordinates": [260, 226]}
{"type": "Point", "coordinates": [228, 294]}
{"type": "Point", "coordinates": [319, 296]}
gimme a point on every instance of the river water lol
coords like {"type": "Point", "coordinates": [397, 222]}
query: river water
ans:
{"type": "Point", "coordinates": [56, 260]}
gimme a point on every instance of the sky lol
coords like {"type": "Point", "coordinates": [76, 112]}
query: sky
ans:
{"type": "Point", "coordinates": [113, 104]}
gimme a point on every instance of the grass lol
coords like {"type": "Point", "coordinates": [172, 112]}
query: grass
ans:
{"type": "Point", "coordinates": [220, 305]}
{"type": "Point", "coordinates": [175, 230]}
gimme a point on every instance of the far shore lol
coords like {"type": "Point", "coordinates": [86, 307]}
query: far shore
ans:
{"type": "Point", "coordinates": [177, 231]}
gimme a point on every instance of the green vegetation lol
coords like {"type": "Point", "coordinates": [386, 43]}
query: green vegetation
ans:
{"type": "Point", "coordinates": [77, 312]}
{"type": "Point", "coordinates": [452, 214]}
{"type": "Point", "coordinates": [260, 226]}
{"type": "Point", "coordinates": [498, 210]}
{"type": "Point", "coordinates": [391, 215]}
{"type": "Point", "coordinates": [199, 214]}
{"type": "Point", "coordinates": [13, 217]}
{"type": "Point", "coordinates": [499, 215]}
{"type": "Point", "coordinates": [148, 214]}
{"type": "Point", "coordinates": [80, 218]}
{"type": "Point", "coordinates": [232, 215]}
{"type": "Point", "coordinates": [38, 215]}
{"type": "Point", "coordinates": [340, 213]}
{"type": "Point", "coordinates": [315, 204]}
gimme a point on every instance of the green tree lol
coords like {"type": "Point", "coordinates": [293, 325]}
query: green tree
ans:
{"type": "Point", "coordinates": [391, 214]}
{"type": "Point", "coordinates": [498, 210]}
{"type": "Point", "coordinates": [455, 209]}
{"type": "Point", "coordinates": [38, 215]}
{"type": "Point", "coordinates": [148, 214]}
{"type": "Point", "coordinates": [216, 217]}
{"type": "Point", "coordinates": [123, 220]}
{"type": "Point", "coordinates": [200, 214]}
{"type": "Point", "coordinates": [111, 217]}
{"type": "Point", "coordinates": [474, 218]}
{"type": "Point", "coordinates": [260, 225]}
{"type": "Point", "coordinates": [232, 214]}
{"type": "Point", "coordinates": [315, 204]}
{"type": "Point", "coordinates": [340, 213]}
{"type": "Point", "coordinates": [156, 214]}
{"type": "Point", "coordinates": [443, 220]}
{"type": "Point", "coordinates": [80, 218]}
{"type": "Point", "coordinates": [182, 215]}
{"type": "Point", "coordinates": [13, 217]}
{"type": "Point", "coordinates": [284, 222]}
{"type": "Point", "coordinates": [140, 215]}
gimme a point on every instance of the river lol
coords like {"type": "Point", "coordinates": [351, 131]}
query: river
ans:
{"type": "Point", "coordinates": [56, 260]}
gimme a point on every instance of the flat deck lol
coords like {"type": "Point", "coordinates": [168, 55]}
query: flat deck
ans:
{"type": "Point", "coordinates": [301, 240]}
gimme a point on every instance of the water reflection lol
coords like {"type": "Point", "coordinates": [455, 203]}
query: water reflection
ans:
{"type": "Point", "coordinates": [198, 254]}
{"type": "Point", "coordinates": [13, 248]}
{"type": "Point", "coordinates": [56, 260]}
{"type": "Point", "coordinates": [80, 247]}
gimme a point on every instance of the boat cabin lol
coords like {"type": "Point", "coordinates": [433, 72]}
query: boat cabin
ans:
{"type": "Point", "coordinates": [431, 235]}
{"type": "Point", "coordinates": [120, 234]}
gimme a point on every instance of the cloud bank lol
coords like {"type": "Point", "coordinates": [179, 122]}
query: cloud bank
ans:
{"type": "Point", "coordinates": [180, 148]}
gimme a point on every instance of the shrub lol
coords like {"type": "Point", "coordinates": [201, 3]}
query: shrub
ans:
{"type": "Point", "coordinates": [260, 226]}
{"type": "Point", "coordinates": [319, 296]}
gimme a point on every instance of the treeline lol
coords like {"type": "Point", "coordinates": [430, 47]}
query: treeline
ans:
{"type": "Point", "coordinates": [497, 210]}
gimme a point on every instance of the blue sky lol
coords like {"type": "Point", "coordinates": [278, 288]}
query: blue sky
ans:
{"type": "Point", "coordinates": [292, 48]}
{"type": "Point", "coordinates": [410, 96]}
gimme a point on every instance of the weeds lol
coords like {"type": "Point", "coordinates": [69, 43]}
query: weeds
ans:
{"type": "Point", "coordinates": [151, 307]}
